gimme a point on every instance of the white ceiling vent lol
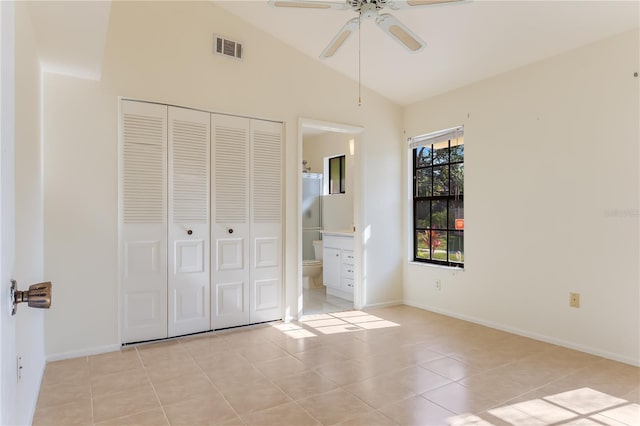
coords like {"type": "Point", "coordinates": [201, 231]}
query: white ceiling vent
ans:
{"type": "Point", "coordinates": [226, 47]}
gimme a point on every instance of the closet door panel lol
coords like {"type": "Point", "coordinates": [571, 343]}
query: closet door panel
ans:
{"type": "Point", "coordinates": [266, 221]}
{"type": "Point", "coordinates": [189, 234]}
{"type": "Point", "coordinates": [230, 223]}
{"type": "Point", "coordinates": [143, 221]}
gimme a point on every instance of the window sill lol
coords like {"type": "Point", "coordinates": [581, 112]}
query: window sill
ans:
{"type": "Point", "coordinates": [435, 265]}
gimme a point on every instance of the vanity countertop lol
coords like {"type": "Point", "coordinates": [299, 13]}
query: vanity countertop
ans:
{"type": "Point", "coordinates": [339, 233]}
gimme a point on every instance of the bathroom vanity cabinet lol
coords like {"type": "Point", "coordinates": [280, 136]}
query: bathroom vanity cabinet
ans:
{"type": "Point", "coordinates": [338, 264]}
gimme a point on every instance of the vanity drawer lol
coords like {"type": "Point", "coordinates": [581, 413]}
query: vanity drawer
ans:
{"type": "Point", "coordinates": [347, 257]}
{"type": "Point", "coordinates": [347, 271]}
{"type": "Point", "coordinates": [347, 285]}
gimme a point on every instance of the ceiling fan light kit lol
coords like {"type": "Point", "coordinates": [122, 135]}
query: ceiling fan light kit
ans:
{"type": "Point", "coordinates": [368, 9]}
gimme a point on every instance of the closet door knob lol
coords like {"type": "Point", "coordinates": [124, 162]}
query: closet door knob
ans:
{"type": "Point", "coordinates": [231, 230]}
{"type": "Point", "coordinates": [189, 232]}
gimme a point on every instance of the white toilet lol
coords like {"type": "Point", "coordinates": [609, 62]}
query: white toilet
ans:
{"type": "Point", "coordinates": [312, 269]}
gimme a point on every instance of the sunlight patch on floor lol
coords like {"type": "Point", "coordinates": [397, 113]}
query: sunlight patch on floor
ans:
{"type": "Point", "coordinates": [345, 322]}
{"type": "Point", "coordinates": [585, 400]}
{"type": "Point", "coordinates": [333, 323]}
{"type": "Point", "coordinates": [294, 331]}
{"type": "Point", "coordinates": [582, 407]}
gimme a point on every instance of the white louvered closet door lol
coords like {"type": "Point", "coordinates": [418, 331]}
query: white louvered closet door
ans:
{"type": "Point", "coordinates": [230, 224]}
{"type": "Point", "coordinates": [189, 235]}
{"type": "Point", "coordinates": [143, 221]}
{"type": "Point", "coordinates": [266, 221]}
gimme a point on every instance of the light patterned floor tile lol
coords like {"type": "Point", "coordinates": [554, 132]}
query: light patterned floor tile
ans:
{"type": "Point", "coordinates": [285, 414]}
{"type": "Point", "coordinates": [153, 417]}
{"type": "Point", "coordinates": [459, 399]}
{"type": "Point", "coordinates": [306, 384]}
{"type": "Point", "coordinates": [117, 381]}
{"type": "Point", "coordinates": [73, 413]}
{"type": "Point", "coordinates": [417, 411]}
{"type": "Point", "coordinates": [254, 397]}
{"type": "Point", "coordinates": [371, 418]}
{"type": "Point", "coordinates": [125, 403]}
{"type": "Point", "coordinates": [114, 362]}
{"type": "Point", "coordinates": [185, 387]}
{"type": "Point", "coordinates": [202, 410]}
{"type": "Point", "coordinates": [334, 406]}
{"type": "Point", "coordinates": [412, 367]}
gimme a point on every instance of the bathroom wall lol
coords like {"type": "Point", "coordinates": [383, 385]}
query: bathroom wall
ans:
{"type": "Point", "coordinates": [337, 209]}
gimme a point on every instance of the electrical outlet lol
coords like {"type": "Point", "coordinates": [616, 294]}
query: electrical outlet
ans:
{"type": "Point", "coordinates": [438, 285]}
{"type": "Point", "coordinates": [574, 300]}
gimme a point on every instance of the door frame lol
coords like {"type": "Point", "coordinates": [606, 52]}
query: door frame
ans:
{"type": "Point", "coordinates": [359, 293]}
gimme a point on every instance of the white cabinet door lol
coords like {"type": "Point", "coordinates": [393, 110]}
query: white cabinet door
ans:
{"type": "Point", "coordinates": [266, 221]}
{"type": "Point", "coordinates": [189, 235]}
{"type": "Point", "coordinates": [230, 225]}
{"type": "Point", "coordinates": [331, 265]}
{"type": "Point", "coordinates": [143, 221]}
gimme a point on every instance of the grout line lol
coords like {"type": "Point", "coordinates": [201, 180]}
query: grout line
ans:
{"type": "Point", "coordinates": [216, 386]}
{"type": "Point", "coordinates": [327, 341]}
{"type": "Point", "coordinates": [86, 359]}
{"type": "Point", "coordinates": [164, 413]}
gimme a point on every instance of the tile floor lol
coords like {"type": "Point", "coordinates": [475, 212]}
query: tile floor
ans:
{"type": "Point", "coordinates": [317, 301]}
{"type": "Point", "coordinates": [391, 366]}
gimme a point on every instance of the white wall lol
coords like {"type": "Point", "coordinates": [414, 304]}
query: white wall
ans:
{"type": "Point", "coordinates": [551, 200]}
{"type": "Point", "coordinates": [162, 51]}
{"type": "Point", "coordinates": [337, 209]}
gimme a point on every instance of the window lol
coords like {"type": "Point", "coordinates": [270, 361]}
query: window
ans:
{"type": "Point", "coordinates": [337, 175]}
{"type": "Point", "coordinates": [438, 204]}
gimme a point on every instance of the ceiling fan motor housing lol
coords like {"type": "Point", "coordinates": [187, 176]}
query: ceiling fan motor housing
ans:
{"type": "Point", "coordinates": [369, 10]}
{"type": "Point", "coordinates": [367, 6]}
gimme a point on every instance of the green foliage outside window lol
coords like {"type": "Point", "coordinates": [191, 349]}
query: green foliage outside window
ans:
{"type": "Point", "coordinates": [438, 172]}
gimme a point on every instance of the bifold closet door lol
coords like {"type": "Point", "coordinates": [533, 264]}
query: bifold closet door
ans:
{"type": "Point", "coordinates": [266, 221]}
{"type": "Point", "coordinates": [189, 237]}
{"type": "Point", "coordinates": [143, 221]}
{"type": "Point", "coordinates": [230, 224]}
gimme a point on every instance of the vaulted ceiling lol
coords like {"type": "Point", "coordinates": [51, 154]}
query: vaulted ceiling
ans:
{"type": "Point", "coordinates": [466, 42]}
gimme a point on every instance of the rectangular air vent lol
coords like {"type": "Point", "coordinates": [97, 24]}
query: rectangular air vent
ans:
{"type": "Point", "coordinates": [226, 47]}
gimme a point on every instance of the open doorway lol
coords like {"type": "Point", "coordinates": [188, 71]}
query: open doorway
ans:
{"type": "Point", "coordinates": [329, 211]}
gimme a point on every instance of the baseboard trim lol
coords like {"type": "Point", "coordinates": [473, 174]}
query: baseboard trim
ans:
{"type": "Point", "coordinates": [531, 335]}
{"type": "Point", "coordinates": [85, 352]}
{"type": "Point", "coordinates": [384, 304]}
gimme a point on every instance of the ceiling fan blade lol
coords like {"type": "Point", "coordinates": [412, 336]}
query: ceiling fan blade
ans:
{"type": "Point", "coordinates": [309, 4]}
{"type": "Point", "coordinates": [399, 32]}
{"type": "Point", "coordinates": [410, 4]}
{"type": "Point", "coordinates": [350, 27]}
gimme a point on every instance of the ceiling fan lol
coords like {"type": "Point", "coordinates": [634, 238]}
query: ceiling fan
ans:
{"type": "Point", "coordinates": [368, 9]}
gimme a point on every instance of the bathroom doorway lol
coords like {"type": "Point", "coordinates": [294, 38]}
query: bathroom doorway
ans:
{"type": "Point", "coordinates": [329, 217]}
